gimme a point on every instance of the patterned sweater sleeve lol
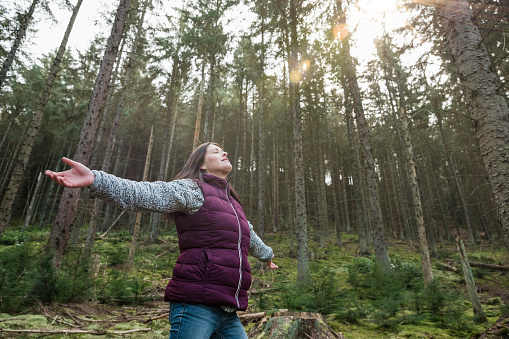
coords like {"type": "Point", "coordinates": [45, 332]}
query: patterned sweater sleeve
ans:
{"type": "Point", "coordinates": [257, 247]}
{"type": "Point", "coordinates": [159, 196]}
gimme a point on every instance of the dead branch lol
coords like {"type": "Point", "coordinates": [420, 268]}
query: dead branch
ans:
{"type": "Point", "coordinates": [166, 315]}
{"type": "Point", "coordinates": [448, 267]}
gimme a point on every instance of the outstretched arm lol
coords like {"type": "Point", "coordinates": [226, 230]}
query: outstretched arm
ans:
{"type": "Point", "coordinates": [259, 250]}
{"type": "Point", "coordinates": [78, 176]}
{"type": "Point", "coordinates": [167, 197]}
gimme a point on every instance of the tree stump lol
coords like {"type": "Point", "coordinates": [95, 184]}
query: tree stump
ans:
{"type": "Point", "coordinates": [294, 325]}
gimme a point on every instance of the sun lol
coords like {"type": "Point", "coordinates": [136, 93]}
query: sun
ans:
{"type": "Point", "coordinates": [371, 19]}
{"type": "Point", "coordinates": [378, 8]}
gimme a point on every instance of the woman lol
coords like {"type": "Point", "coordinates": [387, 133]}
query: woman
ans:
{"type": "Point", "coordinates": [212, 275]}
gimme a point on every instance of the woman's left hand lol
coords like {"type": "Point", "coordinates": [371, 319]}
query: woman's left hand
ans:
{"type": "Point", "coordinates": [271, 265]}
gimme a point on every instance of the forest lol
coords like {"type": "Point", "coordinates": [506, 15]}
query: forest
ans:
{"type": "Point", "coordinates": [369, 143]}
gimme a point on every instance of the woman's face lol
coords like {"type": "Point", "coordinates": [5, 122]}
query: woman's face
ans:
{"type": "Point", "coordinates": [216, 162]}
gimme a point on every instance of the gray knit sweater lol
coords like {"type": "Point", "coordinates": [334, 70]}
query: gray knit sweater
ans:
{"type": "Point", "coordinates": [164, 197]}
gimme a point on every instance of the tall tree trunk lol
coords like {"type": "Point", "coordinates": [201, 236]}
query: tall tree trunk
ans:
{"type": "Point", "coordinates": [358, 181]}
{"type": "Point", "coordinates": [29, 141]}
{"type": "Point", "coordinates": [170, 144]}
{"type": "Point", "coordinates": [94, 220]}
{"type": "Point", "coordinates": [334, 173]}
{"type": "Point", "coordinates": [31, 206]}
{"type": "Point", "coordinates": [94, 158]}
{"type": "Point", "coordinates": [427, 271]}
{"type": "Point", "coordinates": [260, 167]}
{"type": "Point", "coordinates": [479, 315]}
{"type": "Point", "coordinates": [251, 162]}
{"type": "Point", "coordinates": [163, 165]}
{"type": "Point", "coordinates": [275, 182]}
{"type": "Point", "coordinates": [50, 196]}
{"type": "Point", "coordinates": [303, 270]}
{"type": "Point", "coordinates": [376, 220]}
{"type": "Point", "coordinates": [12, 162]}
{"type": "Point", "coordinates": [23, 26]}
{"type": "Point", "coordinates": [457, 182]}
{"type": "Point", "coordinates": [67, 209]}
{"type": "Point", "coordinates": [136, 231]}
{"type": "Point", "coordinates": [5, 136]}
{"type": "Point", "coordinates": [197, 126]}
{"type": "Point", "coordinates": [240, 119]}
{"type": "Point", "coordinates": [210, 100]}
{"type": "Point", "coordinates": [487, 102]}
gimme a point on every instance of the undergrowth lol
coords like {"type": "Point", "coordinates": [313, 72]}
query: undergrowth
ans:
{"type": "Point", "coordinates": [351, 292]}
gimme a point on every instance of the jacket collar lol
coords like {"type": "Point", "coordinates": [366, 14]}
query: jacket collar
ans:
{"type": "Point", "coordinates": [215, 181]}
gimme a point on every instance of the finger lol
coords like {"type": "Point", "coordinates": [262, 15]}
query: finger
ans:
{"type": "Point", "coordinates": [51, 175]}
{"type": "Point", "coordinates": [70, 162]}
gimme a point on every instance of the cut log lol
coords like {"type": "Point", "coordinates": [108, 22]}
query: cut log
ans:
{"type": "Point", "coordinates": [294, 325]}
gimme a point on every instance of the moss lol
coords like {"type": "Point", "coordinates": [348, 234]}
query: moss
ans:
{"type": "Point", "coordinates": [27, 321]}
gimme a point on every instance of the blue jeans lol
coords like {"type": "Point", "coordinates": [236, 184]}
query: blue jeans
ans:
{"type": "Point", "coordinates": [203, 322]}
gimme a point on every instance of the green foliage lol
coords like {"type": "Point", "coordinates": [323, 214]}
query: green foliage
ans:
{"type": "Point", "coordinates": [120, 287]}
{"type": "Point", "coordinates": [322, 295]}
{"type": "Point", "coordinates": [27, 275]}
{"type": "Point", "coordinates": [116, 255]}
{"type": "Point", "coordinates": [434, 297]}
{"type": "Point", "coordinates": [445, 306]}
{"type": "Point", "coordinates": [71, 283]}
{"type": "Point", "coordinates": [13, 237]}
{"type": "Point", "coordinates": [17, 274]}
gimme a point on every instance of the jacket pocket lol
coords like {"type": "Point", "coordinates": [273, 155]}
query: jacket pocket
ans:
{"type": "Point", "coordinates": [194, 266]}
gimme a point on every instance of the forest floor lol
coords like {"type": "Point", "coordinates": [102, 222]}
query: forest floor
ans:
{"type": "Point", "coordinates": [144, 314]}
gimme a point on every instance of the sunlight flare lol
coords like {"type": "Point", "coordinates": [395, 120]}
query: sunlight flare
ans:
{"type": "Point", "coordinates": [295, 76]}
{"type": "Point", "coordinates": [340, 31]}
{"type": "Point", "coordinates": [304, 65]}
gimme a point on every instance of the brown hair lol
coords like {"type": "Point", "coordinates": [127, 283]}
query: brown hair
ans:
{"type": "Point", "coordinates": [192, 170]}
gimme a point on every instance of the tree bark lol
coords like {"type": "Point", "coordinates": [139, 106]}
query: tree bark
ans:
{"type": "Point", "coordinates": [487, 101]}
{"type": "Point", "coordinates": [479, 315]}
{"type": "Point", "coordinates": [196, 140]}
{"type": "Point", "coordinates": [92, 229]}
{"type": "Point", "coordinates": [427, 271]}
{"type": "Point", "coordinates": [67, 208]}
{"type": "Point", "coordinates": [260, 169]}
{"type": "Point", "coordinates": [303, 270]}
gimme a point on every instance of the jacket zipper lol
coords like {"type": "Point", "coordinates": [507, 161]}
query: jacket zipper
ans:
{"type": "Point", "coordinates": [238, 247]}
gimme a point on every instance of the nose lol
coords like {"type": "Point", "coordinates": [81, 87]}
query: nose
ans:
{"type": "Point", "coordinates": [225, 153]}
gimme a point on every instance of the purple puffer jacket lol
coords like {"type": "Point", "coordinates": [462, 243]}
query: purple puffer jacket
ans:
{"type": "Point", "coordinates": [212, 267]}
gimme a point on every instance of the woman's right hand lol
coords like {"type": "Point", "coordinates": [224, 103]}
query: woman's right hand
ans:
{"type": "Point", "coordinates": [78, 176]}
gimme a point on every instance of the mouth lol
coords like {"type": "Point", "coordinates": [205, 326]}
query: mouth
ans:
{"type": "Point", "coordinates": [225, 159]}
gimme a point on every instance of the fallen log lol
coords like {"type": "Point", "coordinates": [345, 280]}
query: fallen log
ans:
{"type": "Point", "coordinates": [488, 266]}
{"type": "Point", "coordinates": [96, 332]}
